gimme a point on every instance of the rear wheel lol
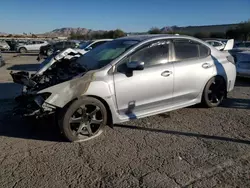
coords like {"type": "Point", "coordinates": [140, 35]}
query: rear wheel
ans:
{"type": "Point", "coordinates": [83, 120]}
{"type": "Point", "coordinates": [214, 92]}
{"type": "Point", "coordinates": [22, 50]}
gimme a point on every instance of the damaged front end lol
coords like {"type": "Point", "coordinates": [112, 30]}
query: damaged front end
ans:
{"type": "Point", "coordinates": [57, 69]}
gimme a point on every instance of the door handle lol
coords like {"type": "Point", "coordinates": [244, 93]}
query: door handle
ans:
{"type": "Point", "coordinates": [166, 73]}
{"type": "Point", "coordinates": [206, 65]}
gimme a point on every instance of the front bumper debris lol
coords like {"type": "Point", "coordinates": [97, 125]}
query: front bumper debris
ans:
{"type": "Point", "coordinates": [32, 105]}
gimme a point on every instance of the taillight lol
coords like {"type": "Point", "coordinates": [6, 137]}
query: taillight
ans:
{"type": "Point", "coordinates": [231, 59]}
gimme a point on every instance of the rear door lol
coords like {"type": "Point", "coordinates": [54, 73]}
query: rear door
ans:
{"type": "Point", "coordinates": [149, 90]}
{"type": "Point", "coordinates": [193, 67]}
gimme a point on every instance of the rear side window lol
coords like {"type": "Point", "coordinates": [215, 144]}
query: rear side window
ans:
{"type": "Point", "coordinates": [204, 51]}
{"type": "Point", "coordinates": [188, 49]}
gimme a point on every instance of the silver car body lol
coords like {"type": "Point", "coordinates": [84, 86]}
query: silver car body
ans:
{"type": "Point", "coordinates": [151, 91]}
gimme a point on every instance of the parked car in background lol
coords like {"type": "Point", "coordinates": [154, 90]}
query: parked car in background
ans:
{"type": "Point", "coordinates": [221, 44]}
{"type": "Point", "coordinates": [82, 47]}
{"type": "Point", "coordinates": [4, 46]}
{"type": "Point", "coordinates": [242, 46]}
{"type": "Point", "coordinates": [243, 64]}
{"type": "Point", "coordinates": [2, 62]}
{"type": "Point", "coordinates": [12, 43]}
{"type": "Point", "coordinates": [50, 48]}
{"type": "Point", "coordinates": [92, 44]}
{"type": "Point", "coordinates": [127, 78]}
{"type": "Point", "coordinates": [30, 46]}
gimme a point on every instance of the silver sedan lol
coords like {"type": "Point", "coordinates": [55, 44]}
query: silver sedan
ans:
{"type": "Point", "coordinates": [136, 77]}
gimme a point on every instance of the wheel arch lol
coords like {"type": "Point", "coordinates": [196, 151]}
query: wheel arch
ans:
{"type": "Point", "coordinates": [110, 119]}
{"type": "Point", "coordinates": [217, 76]}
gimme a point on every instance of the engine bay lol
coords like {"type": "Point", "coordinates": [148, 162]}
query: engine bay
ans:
{"type": "Point", "coordinates": [55, 70]}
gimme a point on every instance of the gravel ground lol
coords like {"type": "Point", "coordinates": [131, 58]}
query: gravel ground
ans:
{"type": "Point", "coordinates": [191, 147]}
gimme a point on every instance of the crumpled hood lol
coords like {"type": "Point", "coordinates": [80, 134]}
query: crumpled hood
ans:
{"type": "Point", "coordinates": [66, 54]}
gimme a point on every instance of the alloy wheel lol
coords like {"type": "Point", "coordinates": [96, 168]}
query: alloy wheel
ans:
{"type": "Point", "coordinates": [86, 121]}
{"type": "Point", "coordinates": [216, 91]}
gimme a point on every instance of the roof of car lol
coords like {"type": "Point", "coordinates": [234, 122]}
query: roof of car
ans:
{"type": "Point", "coordinates": [142, 37]}
{"type": "Point", "coordinates": [151, 36]}
{"type": "Point", "coordinates": [99, 40]}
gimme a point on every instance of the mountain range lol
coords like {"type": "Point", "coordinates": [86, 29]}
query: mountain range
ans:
{"type": "Point", "coordinates": [188, 29]}
{"type": "Point", "coordinates": [66, 31]}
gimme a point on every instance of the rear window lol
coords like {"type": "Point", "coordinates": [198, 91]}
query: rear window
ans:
{"type": "Point", "coordinates": [188, 49]}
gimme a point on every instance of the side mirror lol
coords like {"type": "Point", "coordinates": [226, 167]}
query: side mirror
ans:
{"type": "Point", "coordinates": [135, 65]}
{"type": "Point", "coordinates": [88, 48]}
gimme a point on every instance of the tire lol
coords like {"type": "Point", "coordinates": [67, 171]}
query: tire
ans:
{"type": "Point", "coordinates": [214, 92]}
{"type": "Point", "coordinates": [76, 109]}
{"type": "Point", "coordinates": [22, 50]}
{"type": "Point", "coordinates": [49, 52]}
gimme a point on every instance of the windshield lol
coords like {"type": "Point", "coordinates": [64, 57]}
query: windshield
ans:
{"type": "Point", "coordinates": [104, 54]}
{"type": "Point", "coordinates": [83, 45]}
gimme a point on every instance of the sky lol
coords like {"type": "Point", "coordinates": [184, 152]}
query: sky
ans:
{"type": "Point", "coordinates": [39, 16]}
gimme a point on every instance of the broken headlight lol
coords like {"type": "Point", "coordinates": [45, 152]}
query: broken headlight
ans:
{"type": "Point", "coordinates": [41, 98]}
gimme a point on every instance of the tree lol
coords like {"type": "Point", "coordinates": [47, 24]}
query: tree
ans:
{"type": "Point", "coordinates": [244, 29]}
{"type": "Point", "coordinates": [233, 34]}
{"type": "Point", "coordinates": [118, 33]}
{"type": "Point", "coordinates": [202, 35]}
{"type": "Point", "coordinates": [242, 32]}
{"type": "Point", "coordinates": [154, 30]}
{"type": "Point", "coordinates": [217, 35]}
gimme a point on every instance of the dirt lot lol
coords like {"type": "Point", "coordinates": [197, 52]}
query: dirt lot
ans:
{"type": "Point", "coordinates": [191, 147]}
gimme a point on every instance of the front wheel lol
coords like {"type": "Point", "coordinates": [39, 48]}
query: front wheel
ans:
{"type": "Point", "coordinates": [83, 120]}
{"type": "Point", "coordinates": [214, 92]}
{"type": "Point", "coordinates": [22, 50]}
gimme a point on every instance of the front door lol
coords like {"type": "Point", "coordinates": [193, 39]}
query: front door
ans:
{"type": "Point", "coordinates": [149, 90]}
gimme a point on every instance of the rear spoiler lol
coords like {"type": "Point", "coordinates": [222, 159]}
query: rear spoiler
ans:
{"type": "Point", "coordinates": [229, 45]}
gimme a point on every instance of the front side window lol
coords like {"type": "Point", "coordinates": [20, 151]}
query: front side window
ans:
{"type": "Point", "coordinates": [188, 49]}
{"type": "Point", "coordinates": [153, 54]}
